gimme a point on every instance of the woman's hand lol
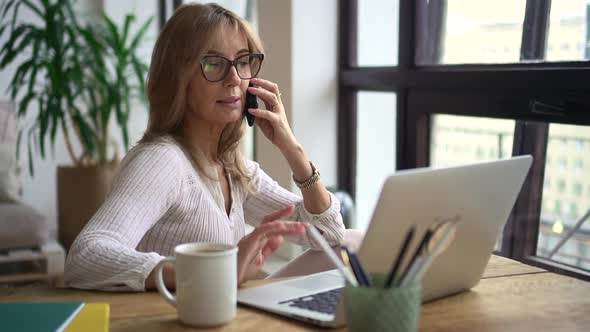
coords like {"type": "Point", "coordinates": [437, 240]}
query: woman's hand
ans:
{"type": "Point", "coordinates": [255, 247]}
{"type": "Point", "coordinates": [272, 121]}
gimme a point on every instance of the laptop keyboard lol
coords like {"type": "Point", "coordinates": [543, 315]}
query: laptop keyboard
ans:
{"type": "Point", "coordinates": [324, 302]}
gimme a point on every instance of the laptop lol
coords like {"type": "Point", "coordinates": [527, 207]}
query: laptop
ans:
{"type": "Point", "coordinates": [480, 195]}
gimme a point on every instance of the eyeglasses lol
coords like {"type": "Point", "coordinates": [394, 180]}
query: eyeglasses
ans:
{"type": "Point", "coordinates": [216, 67]}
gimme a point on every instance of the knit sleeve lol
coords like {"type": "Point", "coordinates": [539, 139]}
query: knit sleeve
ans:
{"type": "Point", "coordinates": [103, 256]}
{"type": "Point", "coordinates": [268, 196]}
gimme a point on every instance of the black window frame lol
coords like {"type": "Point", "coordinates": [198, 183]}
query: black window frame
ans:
{"type": "Point", "coordinates": [533, 94]}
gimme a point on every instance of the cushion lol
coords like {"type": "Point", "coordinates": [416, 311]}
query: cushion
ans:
{"type": "Point", "coordinates": [10, 184]}
{"type": "Point", "coordinates": [21, 226]}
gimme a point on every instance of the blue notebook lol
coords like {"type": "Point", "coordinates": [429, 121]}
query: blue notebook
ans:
{"type": "Point", "coordinates": [37, 317]}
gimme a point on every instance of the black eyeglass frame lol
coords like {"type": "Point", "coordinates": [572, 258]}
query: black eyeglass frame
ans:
{"type": "Point", "coordinates": [233, 63]}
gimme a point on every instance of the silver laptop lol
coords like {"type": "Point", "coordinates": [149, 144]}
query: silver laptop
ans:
{"type": "Point", "coordinates": [481, 195]}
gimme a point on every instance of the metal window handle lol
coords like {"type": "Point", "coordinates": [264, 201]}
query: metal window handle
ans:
{"type": "Point", "coordinates": [540, 107]}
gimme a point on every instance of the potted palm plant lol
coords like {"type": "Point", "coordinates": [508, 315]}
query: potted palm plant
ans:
{"type": "Point", "coordinates": [77, 78]}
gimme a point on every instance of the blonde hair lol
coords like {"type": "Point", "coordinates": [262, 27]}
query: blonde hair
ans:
{"type": "Point", "coordinates": [175, 60]}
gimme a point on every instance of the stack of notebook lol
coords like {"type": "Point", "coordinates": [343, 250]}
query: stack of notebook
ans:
{"type": "Point", "coordinates": [62, 316]}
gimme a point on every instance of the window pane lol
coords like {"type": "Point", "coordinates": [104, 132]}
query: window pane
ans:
{"type": "Point", "coordinates": [568, 34]}
{"type": "Point", "coordinates": [378, 28]}
{"type": "Point", "coordinates": [473, 31]}
{"type": "Point", "coordinates": [565, 204]}
{"type": "Point", "coordinates": [376, 119]}
{"type": "Point", "coordinates": [457, 140]}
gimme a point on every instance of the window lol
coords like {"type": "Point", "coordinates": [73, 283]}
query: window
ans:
{"type": "Point", "coordinates": [375, 150]}
{"type": "Point", "coordinates": [374, 18]}
{"type": "Point", "coordinates": [471, 137]}
{"type": "Point", "coordinates": [561, 185]}
{"type": "Point", "coordinates": [568, 26]}
{"type": "Point", "coordinates": [463, 65]}
{"type": "Point", "coordinates": [482, 31]}
{"type": "Point", "coordinates": [577, 189]}
{"type": "Point", "coordinates": [569, 203]}
{"type": "Point", "coordinates": [557, 209]}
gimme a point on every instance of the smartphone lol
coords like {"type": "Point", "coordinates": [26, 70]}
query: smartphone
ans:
{"type": "Point", "coordinates": [251, 102]}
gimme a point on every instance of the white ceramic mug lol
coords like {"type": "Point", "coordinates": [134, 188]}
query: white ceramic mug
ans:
{"type": "Point", "coordinates": [206, 283]}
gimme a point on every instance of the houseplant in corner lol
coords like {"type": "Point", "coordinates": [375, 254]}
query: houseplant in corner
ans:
{"type": "Point", "coordinates": [79, 78]}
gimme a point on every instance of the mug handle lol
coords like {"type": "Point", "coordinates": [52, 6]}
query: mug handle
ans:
{"type": "Point", "coordinates": [160, 281]}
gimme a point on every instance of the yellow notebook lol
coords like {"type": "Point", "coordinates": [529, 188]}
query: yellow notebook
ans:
{"type": "Point", "coordinates": [94, 317]}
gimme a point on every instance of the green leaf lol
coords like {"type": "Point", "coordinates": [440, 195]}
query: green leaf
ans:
{"type": "Point", "coordinates": [112, 28]}
{"type": "Point", "coordinates": [93, 108]}
{"type": "Point", "coordinates": [14, 15]}
{"type": "Point", "coordinates": [139, 35]}
{"type": "Point", "coordinates": [2, 28]}
{"type": "Point", "coordinates": [9, 52]}
{"type": "Point", "coordinates": [31, 169]}
{"type": "Point", "coordinates": [18, 143]}
{"type": "Point", "coordinates": [33, 8]}
{"type": "Point", "coordinates": [96, 48]}
{"type": "Point", "coordinates": [128, 19]}
{"type": "Point", "coordinates": [30, 140]}
{"type": "Point", "coordinates": [8, 4]}
{"type": "Point", "coordinates": [59, 35]}
{"type": "Point", "coordinates": [43, 121]}
{"type": "Point", "coordinates": [86, 133]}
{"type": "Point", "coordinates": [54, 117]}
{"type": "Point", "coordinates": [24, 103]}
{"type": "Point", "coordinates": [19, 75]}
{"type": "Point", "coordinates": [33, 75]}
{"type": "Point", "coordinates": [140, 70]}
{"type": "Point", "coordinates": [52, 70]}
{"type": "Point", "coordinates": [27, 39]}
{"type": "Point", "coordinates": [70, 12]}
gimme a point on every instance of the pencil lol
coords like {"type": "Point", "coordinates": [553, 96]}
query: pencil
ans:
{"type": "Point", "coordinates": [356, 264]}
{"type": "Point", "coordinates": [400, 257]}
{"type": "Point", "coordinates": [331, 255]}
{"type": "Point", "coordinates": [417, 253]}
{"type": "Point", "coordinates": [347, 262]}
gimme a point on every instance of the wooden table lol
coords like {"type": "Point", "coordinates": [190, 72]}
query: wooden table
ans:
{"type": "Point", "coordinates": [510, 297]}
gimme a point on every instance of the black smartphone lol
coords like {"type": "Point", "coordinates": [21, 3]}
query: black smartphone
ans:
{"type": "Point", "coordinates": [251, 102]}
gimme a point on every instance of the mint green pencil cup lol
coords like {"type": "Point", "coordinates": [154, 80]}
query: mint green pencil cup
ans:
{"type": "Point", "coordinates": [382, 309]}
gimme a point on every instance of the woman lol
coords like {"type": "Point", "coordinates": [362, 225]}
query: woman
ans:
{"type": "Point", "coordinates": [186, 180]}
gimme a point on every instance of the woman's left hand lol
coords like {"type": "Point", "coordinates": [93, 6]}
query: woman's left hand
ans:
{"type": "Point", "coordinates": [272, 121]}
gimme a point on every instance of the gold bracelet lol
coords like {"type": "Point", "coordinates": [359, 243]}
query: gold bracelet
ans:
{"type": "Point", "coordinates": [315, 176]}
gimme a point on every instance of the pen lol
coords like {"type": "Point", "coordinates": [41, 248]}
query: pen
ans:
{"type": "Point", "coordinates": [441, 239]}
{"type": "Point", "coordinates": [356, 264]}
{"type": "Point", "coordinates": [328, 250]}
{"type": "Point", "coordinates": [346, 259]}
{"type": "Point", "coordinates": [400, 257]}
{"type": "Point", "coordinates": [417, 253]}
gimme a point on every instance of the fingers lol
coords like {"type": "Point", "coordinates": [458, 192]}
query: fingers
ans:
{"type": "Point", "coordinates": [274, 228]}
{"type": "Point", "coordinates": [279, 214]}
{"type": "Point", "coordinates": [264, 114]}
{"type": "Point", "coordinates": [271, 245]}
{"type": "Point", "coordinates": [268, 85]}
{"type": "Point", "coordinates": [269, 97]}
{"type": "Point", "coordinates": [268, 92]}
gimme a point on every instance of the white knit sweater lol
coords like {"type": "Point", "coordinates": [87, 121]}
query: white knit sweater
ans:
{"type": "Point", "coordinates": [158, 201]}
